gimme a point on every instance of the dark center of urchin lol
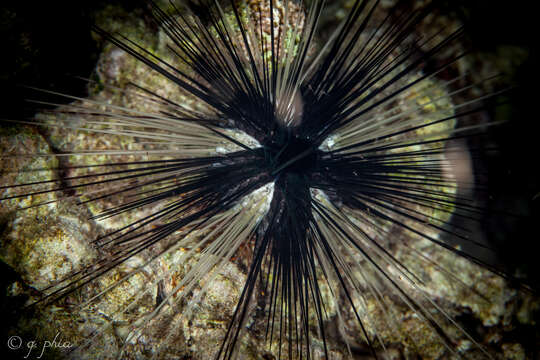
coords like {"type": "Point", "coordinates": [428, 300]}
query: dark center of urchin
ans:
{"type": "Point", "coordinates": [290, 153]}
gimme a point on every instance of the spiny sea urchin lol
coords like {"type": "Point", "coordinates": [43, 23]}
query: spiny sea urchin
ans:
{"type": "Point", "coordinates": [326, 170]}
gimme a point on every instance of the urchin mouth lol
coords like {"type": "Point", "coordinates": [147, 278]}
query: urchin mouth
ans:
{"type": "Point", "coordinates": [290, 153]}
{"type": "Point", "coordinates": [283, 146]}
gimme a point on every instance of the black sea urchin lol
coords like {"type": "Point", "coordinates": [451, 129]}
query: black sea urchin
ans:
{"type": "Point", "coordinates": [320, 174]}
